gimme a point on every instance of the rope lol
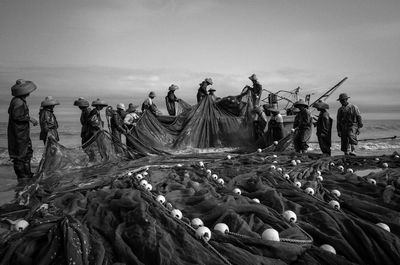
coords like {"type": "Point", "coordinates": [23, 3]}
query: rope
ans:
{"type": "Point", "coordinates": [216, 252]}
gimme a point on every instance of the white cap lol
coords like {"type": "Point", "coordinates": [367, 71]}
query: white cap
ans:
{"type": "Point", "coordinates": [121, 106]}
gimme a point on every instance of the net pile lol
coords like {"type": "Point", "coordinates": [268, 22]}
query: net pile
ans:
{"type": "Point", "coordinates": [107, 214]}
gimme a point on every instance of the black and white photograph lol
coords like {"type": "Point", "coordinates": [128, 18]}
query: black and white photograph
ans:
{"type": "Point", "coordinates": [213, 132]}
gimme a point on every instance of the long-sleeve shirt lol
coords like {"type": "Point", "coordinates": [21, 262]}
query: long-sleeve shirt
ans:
{"type": "Point", "coordinates": [117, 123]}
{"type": "Point", "coordinates": [202, 92]}
{"type": "Point", "coordinates": [84, 122]}
{"type": "Point", "coordinates": [324, 124]}
{"type": "Point", "coordinates": [95, 122]}
{"type": "Point", "coordinates": [148, 104]}
{"type": "Point", "coordinates": [170, 100]}
{"type": "Point", "coordinates": [347, 117]}
{"type": "Point", "coordinates": [48, 124]}
{"type": "Point", "coordinates": [303, 120]}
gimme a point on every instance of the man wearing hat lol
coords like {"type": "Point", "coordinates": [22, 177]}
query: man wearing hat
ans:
{"type": "Point", "coordinates": [170, 100]}
{"type": "Point", "coordinates": [18, 131]}
{"type": "Point", "coordinates": [149, 104]}
{"type": "Point", "coordinates": [324, 127]}
{"type": "Point", "coordinates": [302, 127]}
{"type": "Point", "coordinates": [83, 105]}
{"type": "Point", "coordinates": [349, 122]}
{"type": "Point", "coordinates": [132, 116]}
{"type": "Point", "coordinates": [95, 123]}
{"type": "Point", "coordinates": [275, 126]}
{"type": "Point", "coordinates": [202, 92]}
{"type": "Point", "coordinates": [211, 92]}
{"type": "Point", "coordinates": [47, 119]}
{"type": "Point", "coordinates": [118, 127]}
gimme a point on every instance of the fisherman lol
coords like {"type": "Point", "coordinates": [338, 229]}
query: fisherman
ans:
{"type": "Point", "coordinates": [202, 92]}
{"type": "Point", "coordinates": [148, 104]}
{"type": "Point", "coordinates": [18, 131]}
{"type": "Point", "coordinates": [211, 93]}
{"type": "Point", "coordinates": [275, 126]}
{"type": "Point", "coordinates": [83, 105]}
{"type": "Point", "coordinates": [171, 99]}
{"type": "Point", "coordinates": [256, 90]}
{"type": "Point", "coordinates": [47, 119]}
{"type": "Point", "coordinates": [324, 128]}
{"type": "Point", "coordinates": [132, 116]}
{"type": "Point", "coordinates": [95, 125]}
{"type": "Point", "coordinates": [302, 127]}
{"type": "Point", "coordinates": [349, 122]}
{"type": "Point", "coordinates": [118, 127]}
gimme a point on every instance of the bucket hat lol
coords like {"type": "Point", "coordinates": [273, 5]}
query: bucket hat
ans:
{"type": "Point", "coordinates": [152, 94]}
{"type": "Point", "coordinates": [343, 96]}
{"type": "Point", "coordinates": [253, 77]}
{"type": "Point", "coordinates": [208, 80]}
{"type": "Point", "coordinates": [300, 102]}
{"type": "Point", "coordinates": [22, 87]}
{"type": "Point", "coordinates": [173, 87]}
{"type": "Point", "coordinates": [81, 102]}
{"type": "Point", "coordinates": [121, 106]}
{"type": "Point", "coordinates": [49, 101]}
{"type": "Point", "coordinates": [99, 102]}
{"type": "Point", "coordinates": [212, 90]}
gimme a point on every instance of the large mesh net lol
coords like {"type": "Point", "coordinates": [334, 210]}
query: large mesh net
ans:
{"type": "Point", "coordinates": [106, 208]}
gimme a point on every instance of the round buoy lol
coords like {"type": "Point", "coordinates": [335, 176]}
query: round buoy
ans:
{"type": "Point", "coordinates": [148, 187]}
{"type": "Point", "coordinates": [336, 193]}
{"type": "Point", "coordinates": [274, 162]}
{"type": "Point", "coordinates": [319, 173]}
{"type": "Point", "coordinates": [274, 156]}
{"type": "Point", "coordinates": [196, 222]}
{"type": "Point", "coordinates": [176, 213]}
{"type": "Point", "coordinates": [286, 176]}
{"type": "Point", "coordinates": [129, 174]}
{"type": "Point", "coordinates": [143, 183]}
{"type": "Point", "coordinates": [203, 233]}
{"type": "Point", "coordinates": [276, 142]}
{"type": "Point", "coordinates": [214, 176]}
{"type": "Point", "coordinates": [384, 226]}
{"type": "Point", "coordinates": [270, 234]}
{"type": "Point", "coordinates": [293, 162]}
{"type": "Point", "coordinates": [298, 161]}
{"type": "Point", "coordinates": [341, 168]}
{"type": "Point", "coordinates": [237, 191]}
{"type": "Point", "coordinates": [259, 150]}
{"type": "Point", "coordinates": [160, 199]}
{"type": "Point", "coordinates": [372, 181]}
{"type": "Point", "coordinates": [297, 184]}
{"type": "Point", "coordinates": [397, 156]}
{"type": "Point", "coordinates": [201, 164]}
{"type": "Point", "coordinates": [349, 170]}
{"type": "Point", "coordinates": [279, 169]}
{"type": "Point", "coordinates": [179, 165]}
{"type": "Point", "coordinates": [272, 167]}
{"type": "Point", "coordinates": [377, 159]}
{"type": "Point", "coordinates": [290, 216]}
{"type": "Point", "coordinates": [256, 200]}
{"type": "Point", "coordinates": [221, 227]}
{"type": "Point", "coordinates": [139, 176]}
{"type": "Point", "coordinates": [328, 248]}
{"type": "Point", "coordinates": [385, 165]}
{"type": "Point", "coordinates": [334, 204]}
{"type": "Point", "coordinates": [309, 191]}
{"type": "Point", "coordinates": [332, 164]}
{"type": "Point", "coordinates": [228, 157]}
{"type": "Point", "coordinates": [320, 178]}
{"type": "Point", "coordinates": [208, 172]}
{"type": "Point", "coordinates": [21, 225]}
{"type": "Point", "coordinates": [220, 181]}
{"type": "Point", "coordinates": [145, 173]}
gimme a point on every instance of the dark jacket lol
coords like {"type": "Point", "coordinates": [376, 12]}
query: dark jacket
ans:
{"type": "Point", "coordinates": [275, 129]}
{"type": "Point", "coordinates": [324, 132]}
{"type": "Point", "coordinates": [348, 117]}
{"type": "Point", "coordinates": [170, 100]}
{"type": "Point", "coordinates": [303, 123]}
{"type": "Point", "coordinates": [148, 104]}
{"type": "Point", "coordinates": [256, 93]}
{"type": "Point", "coordinates": [117, 123]}
{"type": "Point", "coordinates": [95, 123]}
{"type": "Point", "coordinates": [202, 92]}
{"type": "Point", "coordinates": [18, 131]}
{"type": "Point", "coordinates": [85, 124]}
{"type": "Point", "coordinates": [48, 124]}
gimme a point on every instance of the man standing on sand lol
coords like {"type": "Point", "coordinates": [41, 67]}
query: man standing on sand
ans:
{"type": "Point", "coordinates": [302, 127]}
{"type": "Point", "coordinates": [18, 132]}
{"type": "Point", "coordinates": [349, 122]}
{"type": "Point", "coordinates": [324, 128]}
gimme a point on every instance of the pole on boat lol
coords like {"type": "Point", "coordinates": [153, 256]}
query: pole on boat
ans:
{"type": "Point", "coordinates": [330, 91]}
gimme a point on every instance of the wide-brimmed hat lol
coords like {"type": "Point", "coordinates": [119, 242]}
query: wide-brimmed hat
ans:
{"type": "Point", "coordinates": [212, 90]}
{"type": "Point", "coordinates": [81, 102]}
{"type": "Point", "coordinates": [343, 96]}
{"type": "Point", "coordinates": [99, 102]}
{"type": "Point", "coordinates": [253, 77]}
{"type": "Point", "coordinates": [22, 87]}
{"type": "Point", "coordinates": [320, 105]}
{"type": "Point", "coordinates": [121, 106]}
{"type": "Point", "coordinates": [49, 101]}
{"type": "Point", "coordinates": [152, 94]}
{"type": "Point", "coordinates": [300, 102]}
{"type": "Point", "coordinates": [173, 87]}
{"type": "Point", "coordinates": [208, 80]}
{"type": "Point", "coordinates": [132, 107]}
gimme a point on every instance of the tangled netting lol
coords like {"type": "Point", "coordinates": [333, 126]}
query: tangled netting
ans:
{"type": "Point", "coordinates": [111, 213]}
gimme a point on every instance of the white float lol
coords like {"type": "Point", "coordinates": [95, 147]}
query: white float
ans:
{"type": "Point", "coordinates": [220, 181]}
{"type": "Point", "coordinates": [334, 204]}
{"type": "Point", "coordinates": [203, 233]}
{"type": "Point", "coordinates": [336, 193]}
{"type": "Point", "coordinates": [20, 225]}
{"type": "Point", "coordinates": [270, 234]}
{"type": "Point", "coordinates": [309, 191]}
{"type": "Point", "coordinates": [328, 248]}
{"type": "Point", "coordinates": [160, 199]}
{"type": "Point", "coordinates": [237, 191]}
{"type": "Point", "coordinates": [384, 226]}
{"type": "Point", "coordinates": [221, 227]}
{"type": "Point", "coordinates": [297, 184]}
{"type": "Point", "coordinates": [196, 222]}
{"type": "Point", "coordinates": [256, 200]}
{"type": "Point", "coordinates": [139, 176]}
{"type": "Point", "coordinates": [176, 213]}
{"type": "Point", "coordinates": [290, 216]}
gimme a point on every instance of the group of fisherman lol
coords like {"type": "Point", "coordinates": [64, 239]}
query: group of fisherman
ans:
{"type": "Point", "coordinates": [123, 120]}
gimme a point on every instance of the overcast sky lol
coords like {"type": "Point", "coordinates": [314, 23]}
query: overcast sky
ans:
{"type": "Point", "coordinates": [120, 50]}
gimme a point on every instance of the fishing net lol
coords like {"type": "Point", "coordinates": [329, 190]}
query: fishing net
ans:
{"type": "Point", "coordinates": [107, 214]}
